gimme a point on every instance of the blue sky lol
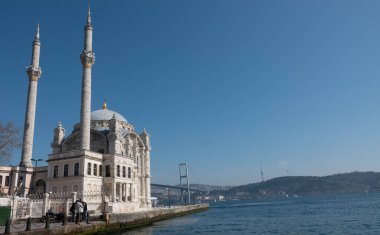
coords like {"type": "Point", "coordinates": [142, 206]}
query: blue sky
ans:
{"type": "Point", "coordinates": [221, 85]}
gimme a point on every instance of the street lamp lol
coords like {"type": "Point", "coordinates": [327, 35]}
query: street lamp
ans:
{"type": "Point", "coordinates": [36, 161]}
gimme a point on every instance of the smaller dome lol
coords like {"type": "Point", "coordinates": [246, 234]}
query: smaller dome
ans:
{"type": "Point", "coordinates": [106, 114]}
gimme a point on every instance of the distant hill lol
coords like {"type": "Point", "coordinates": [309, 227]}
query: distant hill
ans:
{"type": "Point", "coordinates": [293, 186]}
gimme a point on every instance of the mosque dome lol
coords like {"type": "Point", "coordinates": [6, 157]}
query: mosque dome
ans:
{"type": "Point", "coordinates": [106, 114]}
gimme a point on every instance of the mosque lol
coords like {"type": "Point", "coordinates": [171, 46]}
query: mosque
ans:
{"type": "Point", "coordinates": [103, 153]}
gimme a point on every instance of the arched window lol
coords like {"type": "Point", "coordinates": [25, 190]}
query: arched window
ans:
{"type": "Point", "coordinates": [108, 171]}
{"type": "Point", "coordinates": [55, 172]}
{"type": "Point", "coordinates": [6, 180]}
{"type": "Point", "coordinates": [40, 186]}
{"type": "Point", "coordinates": [76, 169]}
{"type": "Point", "coordinates": [66, 170]}
{"type": "Point", "coordinates": [124, 172]}
{"type": "Point", "coordinates": [20, 181]}
{"type": "Point", "coordinates": [40, 182]}
{"type": "Point", "coordinates": [89, 168]}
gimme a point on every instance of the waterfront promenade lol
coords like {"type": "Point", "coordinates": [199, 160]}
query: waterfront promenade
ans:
{"type": "Point", "coordinates": [116, 222]}
{"type": "Point", "coordinates": [38, 227]}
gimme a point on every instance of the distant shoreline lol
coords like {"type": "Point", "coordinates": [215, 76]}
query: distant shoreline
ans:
{"type": "Point", "coordinates": [295, 186]}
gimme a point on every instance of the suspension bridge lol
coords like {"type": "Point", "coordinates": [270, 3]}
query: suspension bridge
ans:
{"type": "Point", "coordinates": [183, 194]}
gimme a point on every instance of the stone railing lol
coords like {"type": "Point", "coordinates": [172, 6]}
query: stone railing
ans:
{"type": "Point", "coordinates": [36, 205]}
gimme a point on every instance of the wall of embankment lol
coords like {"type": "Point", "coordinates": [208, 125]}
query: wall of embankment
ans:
{"type": "Point", "coordinates": [120, 222]}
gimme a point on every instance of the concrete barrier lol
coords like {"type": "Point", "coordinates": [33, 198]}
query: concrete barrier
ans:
{"type": "Point", "coordinates": [119, 222]}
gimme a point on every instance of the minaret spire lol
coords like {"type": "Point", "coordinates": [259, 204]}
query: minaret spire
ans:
{"type": "Point", "coordinates": [34, 73]}
{"type": "Point", "coordinates": [89, 14]}
{"type": "Point", "coordinates": [87, 58]}
{"type": "Point", "coordinates": [37, 32]}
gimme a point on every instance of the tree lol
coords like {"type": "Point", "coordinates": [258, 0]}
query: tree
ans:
{"type": "Point", "coordinates": [9, 140]}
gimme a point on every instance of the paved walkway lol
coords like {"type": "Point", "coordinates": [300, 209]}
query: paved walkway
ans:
{"type": "Point", "coordinates": [21, 226]}
{"type": "Point", "coordinates": [118, 221]}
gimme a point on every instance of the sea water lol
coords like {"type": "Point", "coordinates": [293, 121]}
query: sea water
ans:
{"type": "Point", "coordinates": [344, 214]}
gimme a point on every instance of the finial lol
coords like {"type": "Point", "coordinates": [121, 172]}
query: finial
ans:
{"type": "Point", "coordinates": [37, 37]}
{"type": "Point", "coordinates": [114, 116]}
{"type": "Point", "coordinates": [144, 130]}
{"type": "Point", "coordinates": [38, 30]}
{"type": "Point", "coordinates": [104, 104]}
{"type": "Point", "coordinates": [59, 124]}
{"type": "Point", "coordinates": [89, 14]}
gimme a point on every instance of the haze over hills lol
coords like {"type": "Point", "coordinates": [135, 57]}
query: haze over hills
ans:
{"type": "Point", "coordinates": [293, 186]}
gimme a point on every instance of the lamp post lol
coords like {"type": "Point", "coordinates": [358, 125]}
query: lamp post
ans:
{"type": "Point", "coordinates": [34, 172]}
{"type": "Point", "coordinates": [36, 161]}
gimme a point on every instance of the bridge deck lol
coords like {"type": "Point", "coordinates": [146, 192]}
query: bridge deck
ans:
{"type": "Point", "coordinates": [177, 187]}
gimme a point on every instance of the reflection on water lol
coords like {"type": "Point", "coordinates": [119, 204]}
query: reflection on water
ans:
{"type": "Point", "coordinates": [147, 231]}
{"type": "Point", "coordinates": [177, 222]}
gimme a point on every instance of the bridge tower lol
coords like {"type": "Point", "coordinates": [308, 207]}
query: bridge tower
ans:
{"type": "Point", "coordinates": [184, 176]}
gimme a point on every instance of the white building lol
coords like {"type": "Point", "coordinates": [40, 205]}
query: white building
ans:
{"type": "Point", "coordinates": [117, 163]}
{"type": "Point", "coordinates": [102, 154]}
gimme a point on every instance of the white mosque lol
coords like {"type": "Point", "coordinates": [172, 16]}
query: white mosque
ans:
{"type": "Point", "coordinates": [103, 153]}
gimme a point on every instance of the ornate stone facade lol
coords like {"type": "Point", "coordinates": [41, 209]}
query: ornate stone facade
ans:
{"type": "Point", "coordinates": [87, 58]}
{"type": "Point", "coordinates": [118, 162]}
{"type": "Point", "coordinates": [34, 73]}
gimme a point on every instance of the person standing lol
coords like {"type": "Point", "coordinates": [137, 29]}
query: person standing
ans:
{"type": "Point", "coordinates": [78, 211]}
{"type": "Point", "coordinates": [72, 212]}
{"type": "Point", "coordinates": [85, 212]}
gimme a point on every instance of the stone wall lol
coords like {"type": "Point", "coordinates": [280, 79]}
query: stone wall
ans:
{"type": "Point", "coordinates": [155, 214]}
{"type": "Point", "coordinates": [120, 222]}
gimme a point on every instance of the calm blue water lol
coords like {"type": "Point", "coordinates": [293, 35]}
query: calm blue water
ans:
{"type": "Point", "coordinates": [346, 214]}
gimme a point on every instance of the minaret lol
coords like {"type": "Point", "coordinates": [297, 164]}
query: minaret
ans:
{"type": "Point", "coordinates": [146, 139]}
{"type": "Point", "coordinates": [34, 73]}
{"type": "Point", "coordinates": [87, 58]}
